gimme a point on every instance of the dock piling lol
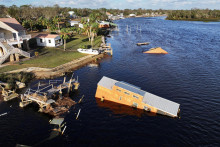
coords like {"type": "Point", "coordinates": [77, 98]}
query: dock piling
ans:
{"type": "Point", "coordinates": [78, 114]}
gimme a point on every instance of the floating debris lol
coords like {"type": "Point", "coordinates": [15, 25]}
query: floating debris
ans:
{"type": "Point", "coordinates": [4, 114]}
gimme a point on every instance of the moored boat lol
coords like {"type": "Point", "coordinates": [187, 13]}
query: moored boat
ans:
{"type": "Point", "coordinates": [88, 51]}
{"type": "Point", "coordinates": [144, 43]}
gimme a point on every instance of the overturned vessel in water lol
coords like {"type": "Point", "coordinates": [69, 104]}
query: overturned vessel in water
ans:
{"type": "Point", "coordinates": [130, 95]}
{"type": "Point", "coordinates": [157, 50]}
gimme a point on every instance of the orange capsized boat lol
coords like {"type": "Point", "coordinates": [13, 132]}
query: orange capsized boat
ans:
{"type": "Point", "coordinates": [157, 50]}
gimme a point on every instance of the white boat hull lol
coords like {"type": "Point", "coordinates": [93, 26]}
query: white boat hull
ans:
{"type": "Point", "coordinates": [88, 51]}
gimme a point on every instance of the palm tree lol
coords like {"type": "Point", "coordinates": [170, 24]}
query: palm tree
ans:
{"type": "Point", "coordinates": [65, 35]}
{"type": "Point", "coordinates": [93, 31]}
{"type": "Point", "coordinates": [56, 20]}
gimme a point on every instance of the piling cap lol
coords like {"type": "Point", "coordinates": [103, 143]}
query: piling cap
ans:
{"type": "Point", "coordinates": [57, 121]}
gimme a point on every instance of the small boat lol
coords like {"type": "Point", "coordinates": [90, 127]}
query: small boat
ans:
{"type": "Point", "coordinates": [144, 43]}
{"type": "Point", "coordinates": [88, 51]}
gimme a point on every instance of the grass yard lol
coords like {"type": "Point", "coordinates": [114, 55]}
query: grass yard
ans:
{"type": "Point", "coordinates": [78, 40]}
{"type": "Point", "coordinates": [52, 57]}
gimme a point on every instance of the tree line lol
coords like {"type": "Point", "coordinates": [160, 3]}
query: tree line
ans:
{"type": "Point", "coordinates": [194, 14]}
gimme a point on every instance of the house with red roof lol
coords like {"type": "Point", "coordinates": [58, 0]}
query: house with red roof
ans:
{"type": "Point", "coordinates": [49, 40]}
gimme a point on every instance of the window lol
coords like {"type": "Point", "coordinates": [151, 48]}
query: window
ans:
{"type": "Point", "coordinates": [41, 40]}
{"type": "Point", "coordinates": [120, 98]}
{"type": "Point", "coordinates": [118, 90]}
{"type": "Point", "coordinates": [49, 41]}
{"type": "Point", "coordinates": [127, 93]}
{"type": "Point", "coordinates": [135, 96]}
{"type": "Point", "coordinates": [146, 108]}
{"type": "Point", "coordinates": [135, 105]}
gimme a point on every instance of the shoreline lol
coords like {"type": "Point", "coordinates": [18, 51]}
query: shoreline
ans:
{"type": "Point", "coordinates": [42, 73]}
{"type": "Point", "coordinates": [203, 20]}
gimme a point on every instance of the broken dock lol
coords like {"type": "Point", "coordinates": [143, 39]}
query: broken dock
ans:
{"type": "Point", "coordinates": [46, 97]}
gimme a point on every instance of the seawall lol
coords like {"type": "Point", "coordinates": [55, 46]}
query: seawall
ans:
{"type": "Point", "coordinates": [41, 73]}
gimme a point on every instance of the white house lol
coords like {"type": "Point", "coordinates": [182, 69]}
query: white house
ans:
{"type": "Point", "coordinates": [12, 39]}
{"type": "Point", "coordinates": [73, 23]}
{"type": "Point", "coordinates": [132, 15]}
{"type": "Point", "coordinates": [49, 40]}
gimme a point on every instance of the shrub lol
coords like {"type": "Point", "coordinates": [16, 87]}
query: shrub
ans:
{"type": "Point", "coordinates": [36, 54]}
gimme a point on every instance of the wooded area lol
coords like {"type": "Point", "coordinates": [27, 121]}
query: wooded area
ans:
{"type": "Point", "coordinates": [194, 14]}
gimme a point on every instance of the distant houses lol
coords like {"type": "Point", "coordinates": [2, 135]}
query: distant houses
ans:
{"type": "Point", "coordinates": [49, 40]}
{"type": "Point", "coordinates": [74, 23]}
{"type": "Point", "coordinates": [132, 15]}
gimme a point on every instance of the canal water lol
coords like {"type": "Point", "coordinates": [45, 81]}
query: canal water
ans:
{"type": "Point", "coordinates": [189, 75]}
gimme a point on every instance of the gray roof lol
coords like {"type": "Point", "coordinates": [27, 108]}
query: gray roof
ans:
{"type": "Point", "coordinates": [130, 87]}
{"type": "Point", "coordinates": [161, 103]}
{"type": "Point", "coordinates": [107, 82]}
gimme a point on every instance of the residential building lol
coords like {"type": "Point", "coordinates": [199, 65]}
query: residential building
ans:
{"type": "Point", "coordinates": [49, 40]}
{"type": "Point", "coordinates": [13, 39]}
{"type": "Point", "coordinates": [73, 23]}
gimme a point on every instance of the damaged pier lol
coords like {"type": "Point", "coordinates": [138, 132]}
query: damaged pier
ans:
{"type": "Point", "coordinates": [47, 99]}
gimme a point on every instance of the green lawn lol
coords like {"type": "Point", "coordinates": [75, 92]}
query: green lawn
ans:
{"type": "Point", "coordinates": [52, 57]}
{"type": "Point", "coordinates": [76, 41]}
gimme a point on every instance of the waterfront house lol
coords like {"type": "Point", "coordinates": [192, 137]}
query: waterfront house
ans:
{"type": "Point", "coordinates": [132, 15]}
{"type": "Point", "coordinates": [13, 39]}
{"type": "Point", "coordinates": [126, 94]}
{"type": "Point", "coordinates": [49, 40]}
{"type": "Point", "coordinates": [73, 23]}
{"type": "Point", "coordinates": [104, 24]}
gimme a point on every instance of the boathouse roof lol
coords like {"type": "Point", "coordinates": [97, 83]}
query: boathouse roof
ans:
{"type": "Point", "coordinates": [130, 87]}
{"type": "Point", "coordinates": [161, 104]}
{"type": "Point", "coordinates": [107, 82]}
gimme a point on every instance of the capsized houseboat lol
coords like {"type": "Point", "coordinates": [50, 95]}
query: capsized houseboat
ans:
{"type": "Point", "coordinates": [130, 95]}
{"type": "Point", "coordinates": [88, 51]}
